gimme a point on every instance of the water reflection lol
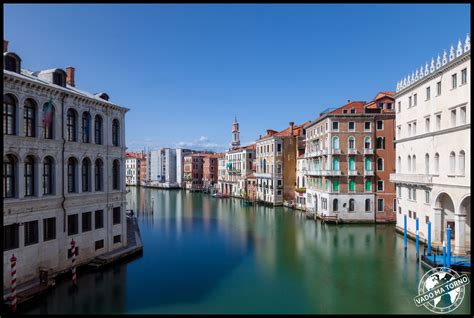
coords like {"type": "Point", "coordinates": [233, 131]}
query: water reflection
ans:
{"type": "Point", "coordinates": [207, 255]}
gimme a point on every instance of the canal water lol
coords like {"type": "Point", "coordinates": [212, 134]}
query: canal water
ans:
{"type": "Point", "coordinates": [207, 255]}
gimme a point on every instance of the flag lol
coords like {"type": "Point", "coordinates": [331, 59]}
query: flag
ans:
{"type": "Point", "coordinates": [48, 113]}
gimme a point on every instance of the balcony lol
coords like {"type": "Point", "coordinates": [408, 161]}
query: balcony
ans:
{"type": "Point", "coordinates": [352, 151]}
{"type": "Point", "coordinates": [313, 172]}
{"type": "Point", "coordinates": [368, 172]}
{"type": "Point", "coordinates": [263, 175]}
{"type": "Point", "coordinates": [333, 173]}
{"type": "Point", "coordinates": [335, 151]}
{"type": "Point", "coordinates": [411, 178]}
{"type": "Point", "coordinates": [352, 172]}
{"type": "Point", "coordinates": [368, 151]}
{"type": "Point", "coordinates": [323, 152]}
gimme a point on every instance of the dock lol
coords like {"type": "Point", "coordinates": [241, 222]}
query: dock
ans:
{"type": "Point", "coordinates": [134, 246]}
{"type": "Point", "coordinates": [331, 219]}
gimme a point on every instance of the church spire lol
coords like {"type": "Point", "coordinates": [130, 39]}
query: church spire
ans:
{"type": "Point", "coordinates": [235, 133]}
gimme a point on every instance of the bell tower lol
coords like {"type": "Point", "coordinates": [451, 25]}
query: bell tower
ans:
{"type": "Point", "coordinates": [235, 133]}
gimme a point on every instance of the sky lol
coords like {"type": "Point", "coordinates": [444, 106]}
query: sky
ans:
{"type": "Point", "coordinates": [185, 71]}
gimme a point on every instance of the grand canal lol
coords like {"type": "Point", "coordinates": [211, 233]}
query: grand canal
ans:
{"type": "Point", "coordinates": [207, 255]}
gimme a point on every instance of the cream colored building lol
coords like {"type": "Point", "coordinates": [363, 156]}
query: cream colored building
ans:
{"type": "Point", "coordinates": [63, 178]}
{"type": "Point", "coordinates": [433, 128]}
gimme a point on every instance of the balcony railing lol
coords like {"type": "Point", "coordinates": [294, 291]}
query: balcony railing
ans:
{"type": "Point", "coordinates": [368, 151]}
{"type": "Point", "coordinates": [335, 151]}
{"type": "Point", "coordinates": [352, 151]}
{"type": "Point", "coordinates": [411, 178]}
{"type": "Point", "coordinates": [352, 172]}
{"type": "Point", "coordinates": [324, 152]}
{"type": "Point", "coordinates": [263, 175]}
{"type": "Point", "coordinates": [368, 172]}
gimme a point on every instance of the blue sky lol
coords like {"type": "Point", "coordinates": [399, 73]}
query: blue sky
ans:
{"type": "Point", "coordinates": [186, 70]}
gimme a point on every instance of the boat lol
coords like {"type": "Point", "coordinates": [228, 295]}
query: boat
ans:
{"type": "Point", "coordinates": [220, 195]}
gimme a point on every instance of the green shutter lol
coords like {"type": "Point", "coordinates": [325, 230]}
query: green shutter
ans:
{"type": "Point", "coordinates": [351, 185]}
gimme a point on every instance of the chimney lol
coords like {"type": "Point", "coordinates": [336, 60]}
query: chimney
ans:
{"type": "Point", "coordinates": [70, 76]}
{"type": "Point", "coordinates": [348, 101]}
{"type": "Point", "coordinates": [291, 127]}
{"type": "Point", "coordinates": [5, 46]}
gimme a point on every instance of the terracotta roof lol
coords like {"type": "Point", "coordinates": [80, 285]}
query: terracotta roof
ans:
{"type": "Point", "coordinates": [357, 105]}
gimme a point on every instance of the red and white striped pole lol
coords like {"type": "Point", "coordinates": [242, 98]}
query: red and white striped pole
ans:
{"type": "Point", "coordinates": [73, 269]}
{"type": "Point", "coordinates": [13, 271]}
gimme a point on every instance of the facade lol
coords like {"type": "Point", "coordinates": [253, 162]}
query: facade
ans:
{"type": "Point", "coordinates": [301, 170]}
{"type": "Point", "coordinates": [188, 171]}
{"type": "Point", "coordinates": [239, 164]}
{"type": "Point", "coordinates": [349, 151]}
{"type": "Point", "coordinates": [155, 173]}
{"type": "Point", "coordinates": [276, 165]}
{"type": "Point", "coordinates": [433, 128]}
{"type": "Point", "coordinates": [210, 171]}
{"type": "Point", "coordinates": [132, 169]}
{"type": "Point", "coordinates": [180, 153]}
{"type": "Point", "coordinates": [167, 167]}
{"type": "Point", "coordinates": [64, 171]}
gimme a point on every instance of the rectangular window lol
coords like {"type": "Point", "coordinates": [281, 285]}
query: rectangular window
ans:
{"type": "Point", "coordinates": [117, 239]}
{"type": "Point", "coordinates": [399, 132]}
{"type": "Point", "coordinates": [427, 196]}
{"type": "Point", "coordinates": [454, 81]}
{"type": "Point", "coordinates": [351, 126]}
{"type": "Point", "coordinates": [399, 107]}
{"type": "Point", "coordinates": [438, 121]}
{"type": "Point", "coordinates": [409, 101]}
{"type": "Point", "coordinates": [438, 88]}
{"type": "Point", "coordinates": [116, 216]}
{"type": "Point", "coordinates": [427, 124]}
{"type": "Point", "coordinates": [414, 194]}
{"type": "Point", "coordinates": [379, 125]}
{"type": "Point", "coordinates": [49, 229]}
{"type": "Point", "coordinates": [409, 214]}
{"type": "Point", "coordinates": [353, 110]}
{"type": "Point", "coordinates": [427, 219]}
{"type": "Point", "coordinates": [394, 205]}
{"type": "Point", "coordinates": [414, 215]}
{"type": "Point", "coordinates": [99, 244]}
{"type": "Point", "coordinates": [86, 221]}
{"type": "Point", "coordinates": [464, 76]}
{"type": "Point", "coordinates": [399, 210]}
{"type": "Point", "coordinates": [31, 232]}
{"type": "Point", "coordinates": [278, 147]}
{"type": "Point", "coordinates": [428, 93]}
{"type": "Point", "coordinates": [344, 111]}
{"type": "Point", "coordinates": [10, 237]}
{"type": "Point", "coordinates": [367, 126]}
{"type": "Point", "coordinates": [72, 224]}
{"type": "Point", "coordinates": [453, 118]}
{"type": "Point", "coordinates": [335, 126]}
{"type": "Point", "coordinates": [415, 99]}
{"type": "Point", "coordinates": [389, 106]}
{"type": "Point", "coordinates": [379, 185]}
{"type": "Point", "coordinates": [380, 205]}
{"type": "Point", "coordinates": [414, 128]}
{"type": "Point", "coordinates": [462, 115]}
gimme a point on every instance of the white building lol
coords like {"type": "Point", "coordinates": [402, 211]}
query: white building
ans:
{"type": "Point", "coordinates": [64, 177]}
{"type": "Point", "coordinates": [433, 148]}
{"type": "Point", "coordinates": [155, 166]}
{"type": "Point", "coordinates": [180, 153]}
{"type": "Point", "coordinates": [132, 170]}
{"type": "Point", "coordinates": [301, 170]}
{"type": "Point", "coordinates": [167, 166]}
{"type": "Point", "coordinates": [238, 166]}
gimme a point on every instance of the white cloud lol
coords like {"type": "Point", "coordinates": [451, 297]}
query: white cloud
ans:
{"type": "Point", "coordinates": [202, 143]}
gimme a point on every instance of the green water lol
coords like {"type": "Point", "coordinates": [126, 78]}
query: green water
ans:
{"type": "Point", "coordinates": [207, 255]}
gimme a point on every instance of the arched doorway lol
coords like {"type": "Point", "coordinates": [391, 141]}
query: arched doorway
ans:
{"type": "Point", "coordinates": [445, 203]}
{"type": "Point", "coordinates": [465, 209]}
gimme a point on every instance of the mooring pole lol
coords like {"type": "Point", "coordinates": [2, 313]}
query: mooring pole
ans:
{"type": "Point", "coordinates": [13, 282]}
{"type": "Point", "coordinates": [417, 239]}
{"type": "Point", "coordinates": [429, 238]}
{"type": "Point", "coordinates": [405, 231]}
{"type": "Point", "coordinates": [448, 248]}
{"type": "Point", "coordinates": [444, 256]}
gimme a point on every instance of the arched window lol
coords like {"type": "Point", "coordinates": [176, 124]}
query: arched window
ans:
{"type": "Point", "coordinates": [98, 130]}
{"type": "Point", "coordinates": [48, 176]}
{"type": "Point", "coordinates": [461, 163]}
{"type": "Point", "coordinates": [335, 142]}
{"type": "Point", "coordinates": [86, 172]}
{"type": "Point", "coordinates": [352, 164]}
{"type": "Point", "coordinates": [368, 164]}
{"type": "Point", "coordinates": [116, 175]}
{"type": "Point", "coordinates": [368, 185]}
{"type": "Point", "coordinates": [380, 143]}
{"type": "Point", "coordinates": [86, 127]}
{"type": "Point", "coordinates": [351, 185]}
{"type": "Point", "coordinates": [29, 174]}
{"type": "Point", "coordinates": [335, 205]}
{"type": "Point", "coordinates": [335, 185]}
{"type": "Point", "coordinates": [413, 163]}
{"type": "Point", "coordinates": [436, 163]}
{"type": "Point", "coordinates": [379, 164]}
{"type": "Point", "coordinates": [71, 175]}
{"type": "Point", "coordinates": [367, 205]}
{"type": "Point", "coordinates": [29, 117]}
{"type": "Point", "coordinates": [367, 144]}
{"type": "Point", "coordinates": [335, 163]}
{"type": "Point", "coordinates": [9, 115]}
{"type": "Point", "coordinates": [399, 164]}
{"type": "Point", "coordinates": [48, 120]}
{"type": "Point", "coordinates": [409, 163]}
{"type": "Point", "coordinates": [9, 176]}
{"type": "Point", "coordinates": [115, 132]}
{"type": "Point", "coordinates": [427, 164]}
{"type": "Point", "coordinates": [71, 125]}
{"type": "Point", "coordinates": [351, 142]}
{"type": "Point", "coordinates": [351, 205]}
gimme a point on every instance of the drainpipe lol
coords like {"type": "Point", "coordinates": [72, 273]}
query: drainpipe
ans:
{"type": "Point", "coordinates": [62, 161]}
